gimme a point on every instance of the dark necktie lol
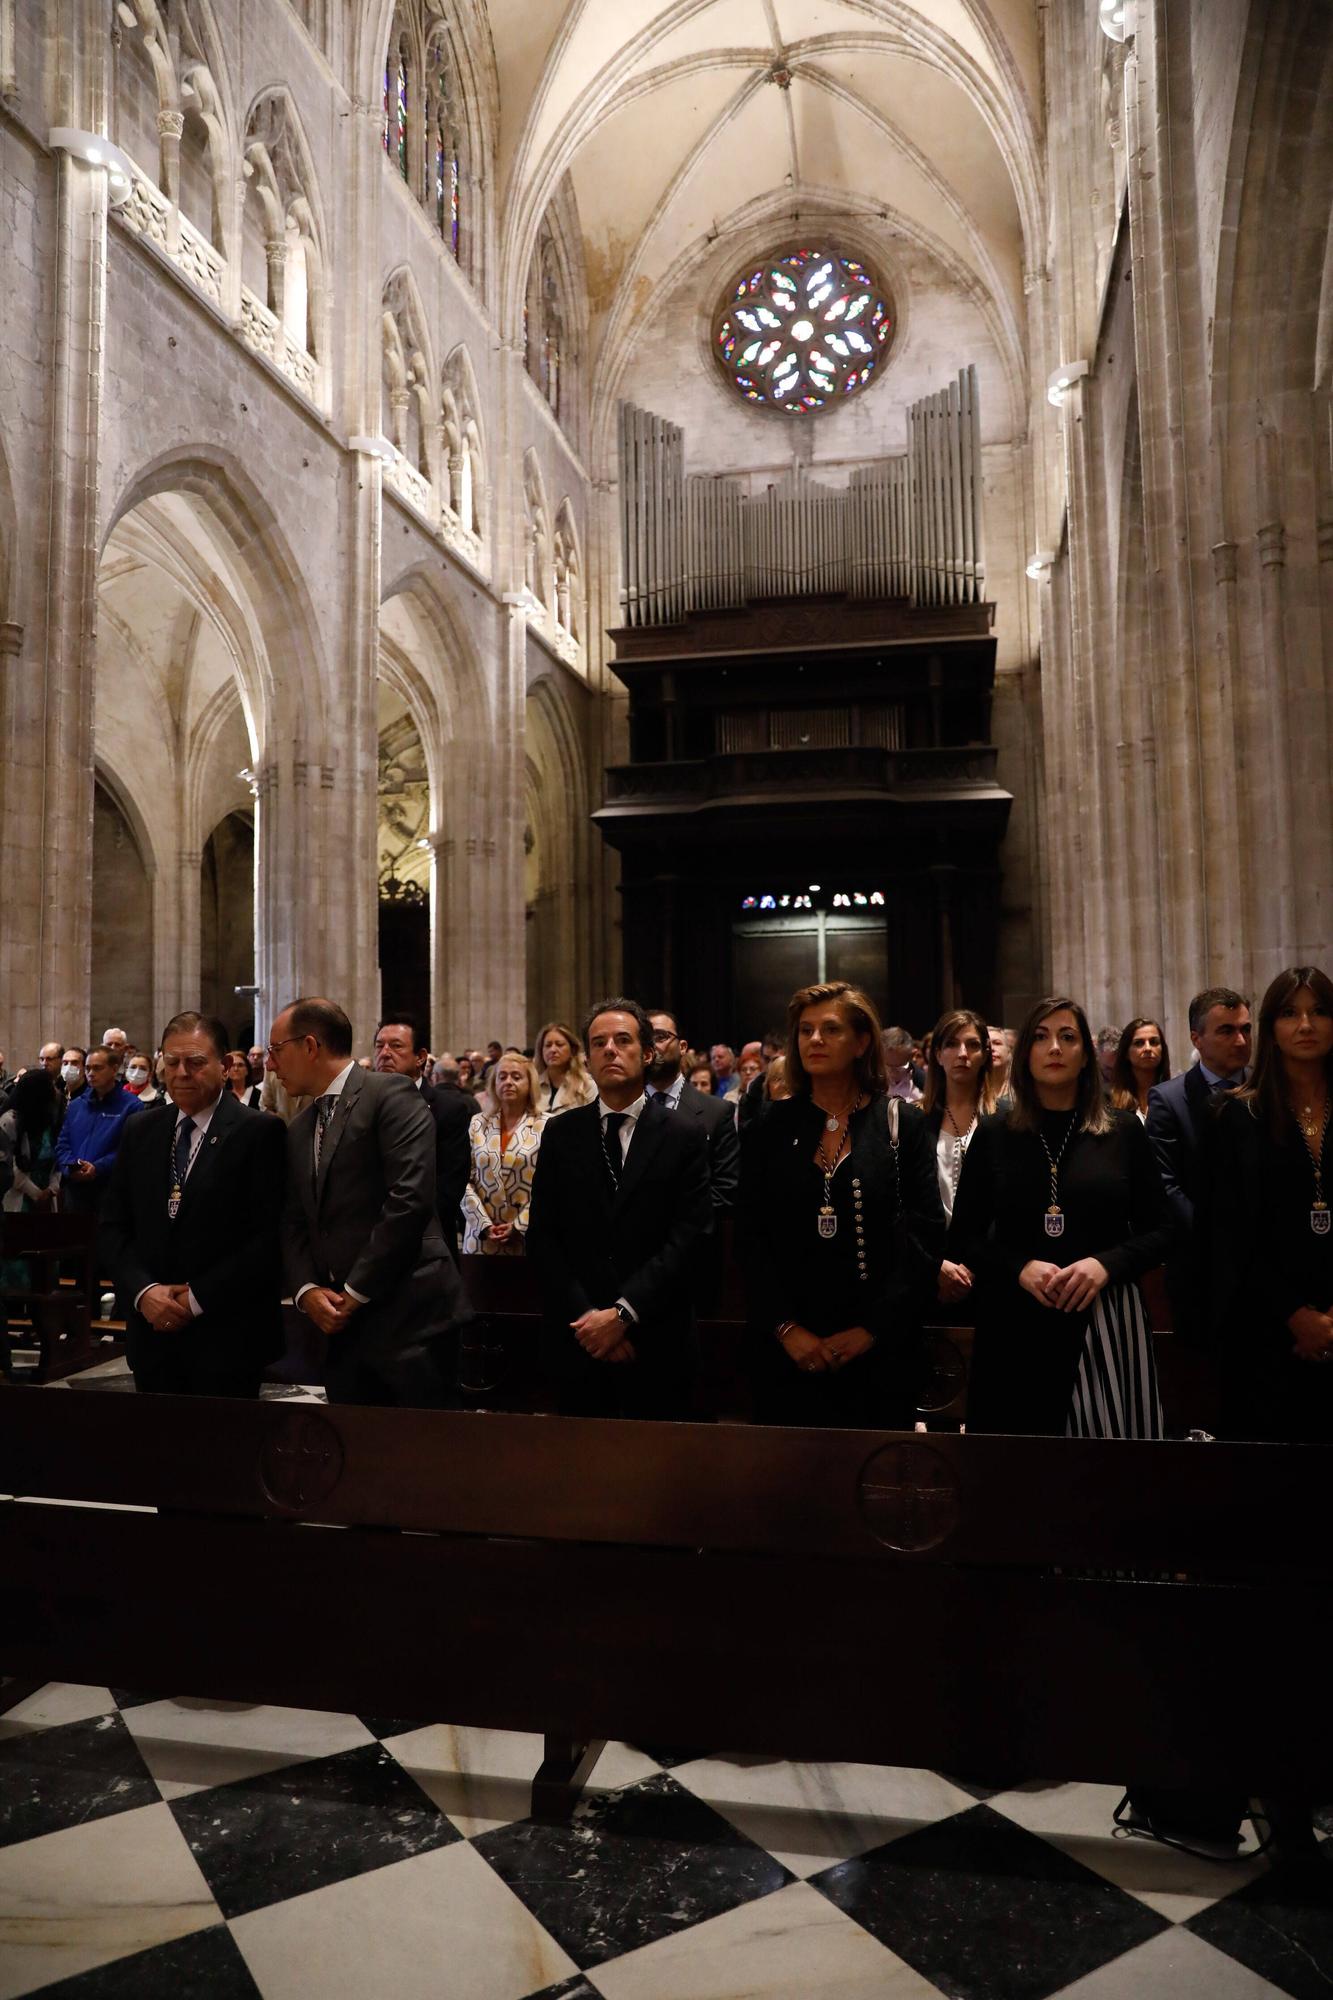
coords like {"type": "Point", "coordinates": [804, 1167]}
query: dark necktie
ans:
{"type": "Point", "coordinates": [611, 1143]}
{"type": "Point", "coordinates": [181, 1161]}
{"type": "Point", "coordinates": [324, 1111]}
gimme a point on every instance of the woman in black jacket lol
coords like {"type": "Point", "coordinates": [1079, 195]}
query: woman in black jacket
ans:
{"type": "Point", "coordinates": [841, 1228]}
{"type": "Point", "coordinates": [1272, 1222]}
{"type": "Point", "coordinates": [1060, 1210]}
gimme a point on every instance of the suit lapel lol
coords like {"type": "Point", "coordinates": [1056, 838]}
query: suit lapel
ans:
{"type": "Point", "coordinates": [648, 1129]}
{"type": "Point", "coordinates": [342, 1111]}
{"type": "Point", "coordinates": [225, 1113]}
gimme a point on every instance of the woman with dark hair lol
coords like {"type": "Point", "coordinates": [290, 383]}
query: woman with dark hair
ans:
{"type": "Point", "coordinates": [1272, 1236]}
{"type": "Point", "coordinates": [29, 1129]}
{"type": "Point", "coordinates": [839, 1224]}
{"type": "Point", "coordinates": [1060, 1210]}
{"type": "Point", "coordinates": [238, 1079]}
{"type": "Point", "coordinates": [960, 1092]}
{"type": "Point", "coordinates": [1141, 1060]}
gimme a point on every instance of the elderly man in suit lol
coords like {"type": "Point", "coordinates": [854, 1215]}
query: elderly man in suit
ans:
{"type": "Point", "coordinates": [1179, 1126]}
{"type": "Point", "coordinates": [620, 1212]}
{"type": "Point", "coordinates": [400, 1050]}
{"type": "Point", "coordinates": [189, 1226]}
{"type": "Point", "coordinates": [365, 1255]}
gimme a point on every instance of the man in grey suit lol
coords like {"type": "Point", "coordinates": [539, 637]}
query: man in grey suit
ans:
{"type": "Point", "coordinates": [365, 1256]}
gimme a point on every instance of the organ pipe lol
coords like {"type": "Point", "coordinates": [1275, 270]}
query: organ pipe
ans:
{"type": "Point", "coordinates": [908, 526]}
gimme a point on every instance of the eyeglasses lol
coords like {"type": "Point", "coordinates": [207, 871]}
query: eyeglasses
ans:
{"type": "Point", "coordinates": [273, 1047]}
{"type": "Point", "coordinates": [193, 1063]}
{"type": "Point", "coordinates": [664, 1035]}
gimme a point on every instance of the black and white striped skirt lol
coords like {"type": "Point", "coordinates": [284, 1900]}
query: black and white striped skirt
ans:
{"type": "Point", "coordinates": [1115, 1390]}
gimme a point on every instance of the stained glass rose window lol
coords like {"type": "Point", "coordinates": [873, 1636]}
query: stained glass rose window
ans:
{"type": "Point", "coordinates": [802, 330]}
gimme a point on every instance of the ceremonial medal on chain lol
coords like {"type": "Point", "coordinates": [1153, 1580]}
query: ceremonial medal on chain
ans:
{"type": "Point", "coordinates": [1054, 1218]}
{"type": "Point", "coordinates": [1320, 1218]}
{"type": "Point", "coordinates": [173, 1201]}
{"type": "Point", "coordinates": [827, 1223]}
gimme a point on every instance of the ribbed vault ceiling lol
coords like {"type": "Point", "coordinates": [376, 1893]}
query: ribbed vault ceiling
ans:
{"type": "Point", "coordinates": [676, 121]}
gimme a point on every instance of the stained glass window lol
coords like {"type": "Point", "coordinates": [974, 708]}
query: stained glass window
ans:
{"type": "Point", "coordinates": [802, 330]}
{"type": "Point", "coordinates": [455, 238]}
{"type": "Point", "coordinates": [401, 93]}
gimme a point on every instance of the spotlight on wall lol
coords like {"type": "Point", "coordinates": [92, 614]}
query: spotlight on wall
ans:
{"type": "Point", "coordinates": [252, 992]}
{"type": "Point", "coordinates": [1038, 565]}
{"type": "Point", "coordinates": [95, 151]}
{"type": "Point", "coordinates": [374, 447]}
{"type": "Point", "coordinates": [1062, 379]}
{"type": "Point", "coordinates": [1118, 18]}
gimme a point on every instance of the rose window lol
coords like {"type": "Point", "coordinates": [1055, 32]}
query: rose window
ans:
{"type": "Point", "coordinates": [803, 330]}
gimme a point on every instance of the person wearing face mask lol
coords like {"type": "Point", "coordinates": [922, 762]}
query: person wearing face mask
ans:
{"type": "Point", "coordinates": [72, 1073]}
{"type": "Point", "coordinates": [504, 1139]}
{"type": "Point", "coordinates": [139, 1078]}
{"type": "Point", "coordinates": [90, 1136]}
{"type": "Point", "coordinates": [1059, 1212]}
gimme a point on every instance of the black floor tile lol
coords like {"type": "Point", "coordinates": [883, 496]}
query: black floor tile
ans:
{"type": "Point", "coordinates": [390, 1725]}
{"type": "Point", "coordinates": [631, 1867]}
{"type": "Point", "coordinates": [207, 1965]}
{"type": "Point", "coordinates": [54, 1778]}
{"type": "Point", "coordinates": [986, 1910]}
{"type": "Point", "coordinates": [1280, 1926]}
{"type": "Point", "coordinates": [669, 1759]}
{"type": "Point", "coordinates": [128, 1698]}
{"type": "Point", "coordinates": [576, 1988]}
{"type": "Point", "coordinates": [265, 1839]}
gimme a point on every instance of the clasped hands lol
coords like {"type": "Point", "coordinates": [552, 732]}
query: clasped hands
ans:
{"type": "Point", "coordinates": [814, 1356]}
{"type": "Point", "coordinates": [166, 1307]}
{"type": "Point", "coordinates": [602, 1336]}
{"type": "Point", "coordinates": [329, 1310]}
{"type": "Point", "coordinates": [1067, 1287]}
{"type": "Point", "coordinates": [1311, 1334]}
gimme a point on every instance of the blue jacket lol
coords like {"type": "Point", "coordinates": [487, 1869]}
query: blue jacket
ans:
{"type": "Point", "coordinates": [93, 1126]}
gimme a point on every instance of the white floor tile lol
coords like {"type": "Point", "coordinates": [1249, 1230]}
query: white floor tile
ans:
{"type": "Point", "coordinates": [440, 1924]}
{"type": "Point", "coordinates": [56, 1703]}
{"type": "Point", "coordinates": [811, 1815]}
{"type": "Point", "coordinates": [482, 1778]}
{"type": "Point", "coordinates": [189, 1744]}
{"type": "Point", "coordinates": [1077, 1818]}
{"type": "Point", "coordinates": [1174, 1966]}
{"type": "Point", "coordinates": [92, 1893]}
{"type": "Point", "coordinates": [788, 1944]}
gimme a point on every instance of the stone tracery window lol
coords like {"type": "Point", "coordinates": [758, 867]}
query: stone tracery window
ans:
{"type": "Point", "coordinates": [545, 322]}
{"type": "Point", "coordinates": [802, 330]}
{"type": "Point", "coordinates": [428, 132]}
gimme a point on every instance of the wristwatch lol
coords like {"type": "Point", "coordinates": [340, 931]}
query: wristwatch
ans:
{"type": "Point", "coordinates": [624, 1315]}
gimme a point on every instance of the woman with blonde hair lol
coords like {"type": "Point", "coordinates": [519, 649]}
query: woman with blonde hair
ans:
{"type": "Point", "coordinates": [504, 1138]}
{"type": "Point", "coordinates": [840, 1226]}
{"type": "Point", "coordinates": [563, 1079]}
{"type": "Point", "coordinates": [1060, 1210]}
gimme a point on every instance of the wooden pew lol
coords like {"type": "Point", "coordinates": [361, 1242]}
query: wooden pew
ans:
{"type": "Point", "coordinates": [61, 1315]}
{"type": "Point", "coordinates": [963, 1603]}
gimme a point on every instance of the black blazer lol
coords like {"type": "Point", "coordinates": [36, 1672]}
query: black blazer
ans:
{"type": "Point", "coordinates": [592, 1243]}
{"type": "Point", "coordinates": [1181, 1118]}
{"type": "Point", "coordinates": [453, 1113]}
{"type": "Point", "coordinates": [1026, 1354]}
{"type": "Point", "coordinates": [717, 1119]}
{"type": "Point", "coordinates": [785, 1274]}
{"type": "Point", "coordinates": [368, 1221]}
{"type": "Point", "coordinates": [224, 1243]}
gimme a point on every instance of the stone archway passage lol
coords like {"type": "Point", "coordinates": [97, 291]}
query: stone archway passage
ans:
{"type": "Point", "coordinates": [227, 926]}
{"type": "Point", "coordinates": [122, 927]}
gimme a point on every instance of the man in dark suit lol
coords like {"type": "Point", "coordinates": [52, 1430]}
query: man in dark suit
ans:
{"type": "Point", "coordinates": [1179, 1128]}
{"type": "Point", "coordinates": [620, 1212]}
{"type": "Point", "coordinates": [400, 1050]}
{"type": "Point", "coordinates": [189, 1227]}
{"type": "Point", "coordinates": [665, 1085]}
{"type": "Point", "coordinates": [365, 1256]}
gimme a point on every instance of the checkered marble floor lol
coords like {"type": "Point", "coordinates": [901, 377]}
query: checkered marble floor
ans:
{"type": "Point", "coordinates": [177, 1849]}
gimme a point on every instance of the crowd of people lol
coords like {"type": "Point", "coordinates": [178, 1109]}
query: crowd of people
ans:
{"type": "Point", "coordinates": [1021, 1182]}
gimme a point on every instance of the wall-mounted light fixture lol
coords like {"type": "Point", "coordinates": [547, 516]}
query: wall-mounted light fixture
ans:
{"type": "Point", "coordinates": [374, 447]}
{"type": "Point", "coordinates": [1062, 379]}
{"type": "Point", "coordinates": [95, 151]}
{"type": "Point", "coordinates": [1038, 565]}
{"type": "Point", "coordinates": [1118, 18]}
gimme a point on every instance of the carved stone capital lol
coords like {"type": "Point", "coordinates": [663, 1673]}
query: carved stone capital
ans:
{"type": "Point", "coordinates": [1224, 562]}
{"type": "Point", "coordinates": [170, 124]}
{"type": "Point", "coordinates": [1272, 540]}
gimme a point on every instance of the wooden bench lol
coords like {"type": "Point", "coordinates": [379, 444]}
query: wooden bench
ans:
{"type": "Point", "coordinates": [61, 1314]}
{"type": "Point", "coordinates": [970, 1604]}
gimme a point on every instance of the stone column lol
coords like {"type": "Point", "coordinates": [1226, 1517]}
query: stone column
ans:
{"type": "Point", "coordinates": [186, 975]}
{"type": "Point", "coordinates": [275, 253]}
{"type": "Point", "coordinates": [170, 126]}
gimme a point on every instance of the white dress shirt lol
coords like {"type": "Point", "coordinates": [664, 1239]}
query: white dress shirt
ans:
{"type": "Point", "coordinates": [671, 1094]}
{"type": "Point", "coordinates": [631, 1113]}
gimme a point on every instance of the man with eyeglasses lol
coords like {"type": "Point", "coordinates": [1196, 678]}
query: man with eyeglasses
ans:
{"type": "Point", "coordinates": [91, 1134]}
{"type": "Point", "coordinates": [620, 1212]}
{"type": "Point", "coordinates": [189, 1228]}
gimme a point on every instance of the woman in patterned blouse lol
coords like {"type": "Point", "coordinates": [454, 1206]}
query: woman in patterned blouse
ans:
{"type": "Point", "coordinates": [504, 1138]}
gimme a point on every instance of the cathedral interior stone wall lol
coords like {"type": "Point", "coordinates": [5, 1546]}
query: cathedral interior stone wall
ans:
{"type": "Point", "coordinates": [316, 321]}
